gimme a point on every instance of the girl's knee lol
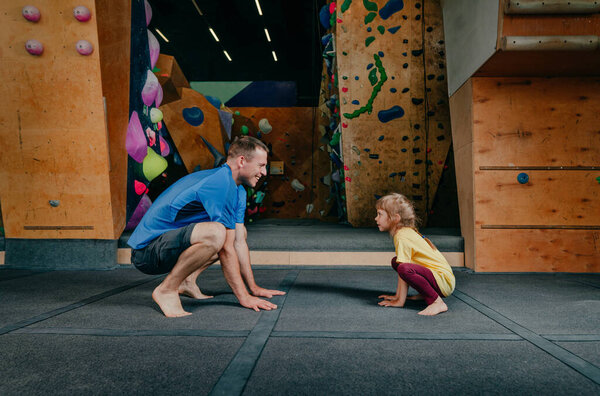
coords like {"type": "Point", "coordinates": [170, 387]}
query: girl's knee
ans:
{"type": "Point", "coordinates": [403, 269]}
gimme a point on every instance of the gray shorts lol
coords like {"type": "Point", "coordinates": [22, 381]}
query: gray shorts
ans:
{"type": "Point", "coordinates": [161, 255]}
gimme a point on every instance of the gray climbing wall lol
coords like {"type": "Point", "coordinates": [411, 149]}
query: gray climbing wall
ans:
{"type": "Point", "coordinates": [393, 102]}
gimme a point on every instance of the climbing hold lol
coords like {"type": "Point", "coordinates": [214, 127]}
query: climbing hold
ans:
{"type": "Point", "coordinates": [393, 90]}
{"type": "Point", "coordinates": [390, 114]}
{"type": "Point", "coordinates": [165, 149]}
{"type": "Point", "coordinates": [34, 47]}
{"type": "Point", "coordinates": [148, 11]}
{"type": "Point", "coordinates": [417, 52]}
{"type": "Point", "coordinates": [355, 102]}
{"type": "Point", "coordinates": [219, 158]}
{"type": "Point", "coordinates": [324, 16]}
{"type": "Point", "coordinates": [394, 29]}
{"type": "Point", "coordinates": [264, 126]}
{"type": "Point", "coordinates": [237, 113]}
{"type": "Point", "coordinates": [150, 88]}
{"type": "Point", "coordinates": [154, 47]}
{"type": "Point", "coordinates": [31, 13]}
{"type": "Point", "coordinates": [214, 101]}
{"type": "Point", "coordinates": [369, 18]}
{"type": "Point", "coordinates": [139, 187]}
{"type": "Point", "coordinates": [159, 96]}
{"type": "Point", "coordinates": [139, 211]}
{"type": "Point", "coordinates": [381, 30]}
{"type": "Point", "coordinates": [370, 65]}
{"type": "Point", "coordinates": [405, 90]}
{"type": "Point", "coordinates": [193, 115]}
{"type": "Point", "coordinates": [153, 165]}
{"type": "Point", "coordinates": [523, 178]}
{"type": "Point", "coordinates": [374, 156]}
{"type": "Point", "coordinates": [156, 115]}
{"type": "Point", "coordinates": [417, 101]}
{"type": "Point", "coordinates": [369, 40]}
{"type": "Point", "coordinates": [390, 8]}
{"type": "Point", "coordinates": [373, 77]}
{"type": "Point", "coordinates": [82, 13]}
{"type": "Point", "coordinates": [151, 136]}
{"type": "Point", "coordinates": [297, 185]}
{"type": "Point", "coordinates": [135, 141]}
{"type": "Point", "coordinates": [309, 208]}
{"type": "Point", "coordinates": [380, 138]}
{"type": "Point", "coordinates": [84, 47]}
{"type": "Point", "coordinates": [259, 197]}
{"type": "Point", "coordinates": [244, 130]}
{"type": "Point", "coordinates": [278, 204]}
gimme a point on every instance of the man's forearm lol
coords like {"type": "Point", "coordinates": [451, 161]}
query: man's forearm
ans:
{"type": "Point", "coordinates": [231, 270]}
{"type": "Point", "coordinates": [243, 255]}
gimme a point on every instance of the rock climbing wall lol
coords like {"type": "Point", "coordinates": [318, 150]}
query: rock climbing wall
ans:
{"type": "Point", "coordinates": [63, 116]}
{"type": "Point", "coordinates": [395, 117]}
{"type": "Point", "coordinates": [295, 148]}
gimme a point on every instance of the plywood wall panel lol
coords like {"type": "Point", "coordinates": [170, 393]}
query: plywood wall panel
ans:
{"type": "Point", "coordinates": [551, 25]}
{"type": "Point", "coordinates": [549, 198]}
{"type": "Point", "coordinates": [53, 128]}
{"type": "Point", "coordinates": [538, 251]}
{"type": "Point", "coordinates": [515, 117]}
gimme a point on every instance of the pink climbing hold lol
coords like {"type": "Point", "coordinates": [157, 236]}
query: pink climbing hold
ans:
{"type": "Point", "coordinates": [34, 47]}
{"type": "Point", "coordinates": [135, 142]}
{"type": "Point", "coordinates": [154, 49]}
{"type": "Point", "coordinates": [159, 125]}
{"type": "Point", "coordinates": [151, 136]}
{"type": "Point", "coordinates": [140, 188]}
{"type": "Point", "coordinates": [332, 7]}
{"type": "Point", "coordinates": [344, 89]}
{"type": "Point", "coordinates": [31, 13]}
{"type": "Point", "coordinates": [84, 47]}
{"type": "Point", "coordinates": [165, 149]}
{"type": "Point", "coordinates": [150, 89]}
{"type": "Point", "coordinates": [82, 13]}
{"type": "Point", "coordinates": [339, 20]}
{"type": "Point", "coordinates": [148, 10]}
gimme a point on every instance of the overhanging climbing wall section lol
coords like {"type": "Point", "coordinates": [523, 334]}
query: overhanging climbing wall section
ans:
{"type": "Point", "coordinates": [63, 118]}
{"type": "Point", "coordinates": [395, 129]}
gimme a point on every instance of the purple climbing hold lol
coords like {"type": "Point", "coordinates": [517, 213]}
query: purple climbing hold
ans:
{"type": "Point", "coordinates": [135, 141]}
{"type": "Point", "coordinates": [390, 114]}
{"type": "Point", "coordinates": [193, 115]}
{"type": "Point", "coordinates": [391, 7]}
{"type": "Point", "coordinates": [159, 96]}
{"type": "Point", "coordinates": [139, 212]}
{"type": "Point", "coordinates": [148, 11]}
{"type": "Point", "coordinates": [150, 88]}
{"type": "Point", "coordinates": [154, 49]}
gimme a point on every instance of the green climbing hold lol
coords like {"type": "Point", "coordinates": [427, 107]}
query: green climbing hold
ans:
{"type": "Point", "coordinates": [369, 40]}
{"type": "Point", "coordinates": [335, 139]}
{"type": "Point", "coordinates": [369, 106]}
{"type": "Point", "coordinates": [332, 19]}
{"type": "Point", "coordinates": [369, 18]}
{"type": "Point", "coordinates": [345, 77]}
{"type": "Point", "coordinates": [244, 130]}
{"type": "Point", "coordinates": [381, 29]}
{"type": "Point", "coordinates": [346, 5]}
{"type": "Point", "coordinates": [344, 53]}
{"type": "Point", "coordinates": [370, 5]}
{"type": "Point", "coordinates": [373, 76]}
{"type": "Point", "coordinates": [153, 165]}
{"type": "Point", "coordinates": [155, 70]}
{"type": "Point", "coordinates": [598, 179]}
{"type": "Point", "coordinates": [237, 113]}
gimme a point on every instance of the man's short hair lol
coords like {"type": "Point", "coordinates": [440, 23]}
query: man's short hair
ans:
{"type": "Point", "coordinates": [246, 146]}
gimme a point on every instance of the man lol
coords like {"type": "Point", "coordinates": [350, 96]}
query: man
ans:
{"type": "Point", "coordinates": [197, 221]}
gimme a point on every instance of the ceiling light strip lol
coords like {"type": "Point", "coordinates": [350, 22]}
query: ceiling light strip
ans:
{"type": "Point", "coordinates": [267, 34]}
{"type": "Point", "coordinates": [227, 55]}
{"type": "Point", "coordinates": [214, 34]}
{"type": "Point", "coordinates": [197, 8]}
{"type": "Point", "coordinates": [258, 7]}
{"type": "Point", "coordinates": [274, 55]}
{"type": "Point", "coordinates": [161, 35]}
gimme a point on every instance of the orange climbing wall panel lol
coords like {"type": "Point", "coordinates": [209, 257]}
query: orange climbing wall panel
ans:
{"type": "Point", "coordinates": [58, 142]}
{"type": "Point", "coordinates": [295, 141]}
{"type": "Point", "coordinates": [547, 129]}
{"type": "Point", "coordinates": [405, 154]}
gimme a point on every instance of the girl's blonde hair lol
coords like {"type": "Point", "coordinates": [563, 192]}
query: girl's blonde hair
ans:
{"type": "Point", "coordinates": [398, 204]}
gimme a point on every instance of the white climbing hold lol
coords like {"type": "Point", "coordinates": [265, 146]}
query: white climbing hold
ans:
{"type": "Point", "coordinates": [309, 208]}
{"type": "Point", "coordinates": [264, 126]}
{"type": "Point", "coordinates": [297, 185]}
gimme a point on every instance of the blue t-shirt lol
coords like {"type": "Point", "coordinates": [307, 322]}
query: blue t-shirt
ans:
{"type": "Point", "coordinates": [209, 195]}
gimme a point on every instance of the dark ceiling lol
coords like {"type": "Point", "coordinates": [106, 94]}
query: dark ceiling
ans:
{"type": "Point", "coordinates": [295, 37]}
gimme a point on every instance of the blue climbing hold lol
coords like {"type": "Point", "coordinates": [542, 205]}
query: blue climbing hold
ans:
{"type": "Point", "coordinates": [390, 114]}
{"type": "Point", "coordinates": [523, 178]}
{"type": "Point", "coordinates": [324, 16]}
{"type": "Point", "coordinates": [355, 102]}
{"type": "Point", "coordinates": [214, 101]}
{"type": "Point", "coordinates": [394, 29]}
{"type": "Point", "coordinates": [193, 115]}
{"type": "Point", "coordinates": [391, 7]}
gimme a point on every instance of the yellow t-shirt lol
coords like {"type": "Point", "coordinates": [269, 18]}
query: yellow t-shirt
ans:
{"type": "Point", "coordinates": [413, 248]}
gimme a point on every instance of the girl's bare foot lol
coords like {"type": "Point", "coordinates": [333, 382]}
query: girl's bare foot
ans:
{"type": "Point", "coordinates": [192, 290]}
{"type": "Point", "coordinates": [438, 306]}
{"type": "Point", "coordinates": [169, 302]}
{"type": "Point", "coordinates": [391, 303]}
{"type": "Point", "coordinates": [416, 297]}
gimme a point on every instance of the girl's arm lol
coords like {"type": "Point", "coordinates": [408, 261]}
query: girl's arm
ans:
{"type": "Point", "coordinates": [397, 300]}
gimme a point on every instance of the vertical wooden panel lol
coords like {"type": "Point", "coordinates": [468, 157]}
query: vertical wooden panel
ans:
{"type": "Point", "coordinates": [461, 109]}
{"type": "Point", "coordinates": [53, 128]}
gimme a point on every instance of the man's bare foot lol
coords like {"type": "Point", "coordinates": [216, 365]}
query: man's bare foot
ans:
{"type": "Point", "coordinates": [416, 297]}
{"type": "Point", "coordinates": [192, 290]}
{"type": "Point", "coordinates": [169, 303]}
{"type": "Point", "coordinates": [438, 306]}
{"type": "Point", "coordinates": [391, 303]}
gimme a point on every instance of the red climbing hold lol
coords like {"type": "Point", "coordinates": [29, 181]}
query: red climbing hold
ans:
{"type": "Point", "coordinates": [344, 125]}
{"type": "Point", "coordinates": [344, 89]}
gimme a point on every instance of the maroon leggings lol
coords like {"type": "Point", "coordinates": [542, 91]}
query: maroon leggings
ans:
{"type": "Point", "coordinates": [419, 278]}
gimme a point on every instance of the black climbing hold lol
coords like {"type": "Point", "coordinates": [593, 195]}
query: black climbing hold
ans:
{"type": "Point", "coordinates": [430, 76]}
{"type": "Point", "coordinates": [377, 196]}
{"type": "Point", "coordinates": [416, 138]}
{"type": "Point", "coordinates": [374, 156]}
{"type": "Point", "coordinates": [416, 185]}
{"type": "Point", "coordinates": [402, 173]}
{"type": "Point", "coordinates": [418, 5]}
{"type": "Point", "coordinates": [429, 29]}
{"type": "Point", "coordinates": [367, 150]}
{"type": "Point", "coordinates": [440, 138]}
{"type": "Point", "coordinates": [278, 204]}
{"type": "Point", "coordinates": [405, 138]}
{"type": "Point", "coordinates": [430, 113]}
{"type": "Point", "coordinates": [440, 77]}
{"type": "Point", "coordinates": [393, 174]}
{"type": "Point", "coordinates": [441, 66]}
{"type": "Point", "coordinates": [404, 17]}
{"type": "Point", "coordinates": [404, 150]}
{"type": "Point", "coordinates": [415, 173]}
{"type": "Point", "coordinates": [417, 101]}
{"type": "Point", "coordinates": [405, 90]}
{"type": "Point", "coordinates": [417, 197]}
{"type": "Point", "coordinates": [417, 52]}
{"type": "Point", "coordinates": [405, 54]}
{"type": "Point", "coordinates": [405, 41]}
{"type": "Point", "coordinates": [418, 17]}
{"type": "Point", "coordinates": [417, 126]}
{"type": "Point", "coordinates": [405, 65]}
{"type": "Point", "coordinates": [416, 150]}
{"type": "Point", "coordinates": [380, 138]}
{"type": "Point", "coordinates": [418, 161]}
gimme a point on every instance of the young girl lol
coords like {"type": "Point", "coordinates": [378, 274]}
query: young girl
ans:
{"type": "Point", "coordinates": [418, 262]}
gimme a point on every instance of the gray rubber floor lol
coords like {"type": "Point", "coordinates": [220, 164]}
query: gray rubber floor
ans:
{"type": "Point", "coordinates": [98, 332]}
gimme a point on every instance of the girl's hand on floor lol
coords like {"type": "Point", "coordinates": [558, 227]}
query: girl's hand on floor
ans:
{"type": "Point", "coordinates": [391, 303]}
{"type": "Point", "coordinates": [388, 297]}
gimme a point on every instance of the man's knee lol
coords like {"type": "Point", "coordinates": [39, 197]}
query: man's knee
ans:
{"type": "Point", "coordinates": [212, 235]}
